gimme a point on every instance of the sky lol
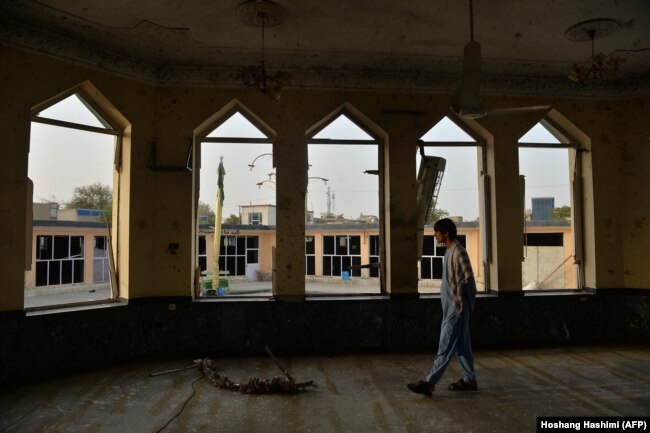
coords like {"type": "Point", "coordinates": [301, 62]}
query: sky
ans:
{"type": "Point", "coordinates": [61, 159]}
{"type": "Point", "coordinates": [352, 192]}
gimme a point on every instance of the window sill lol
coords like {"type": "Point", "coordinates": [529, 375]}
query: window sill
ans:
{"type": "Point", "coordinates": [79, 306]}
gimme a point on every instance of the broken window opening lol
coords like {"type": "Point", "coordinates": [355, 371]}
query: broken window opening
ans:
{"type": "Point", "coordinates": [342, 209]}
{"type": "Point", "coordinates": [459, 198]}
{"type": "Point", "coordinates": [71, 162]}
{"type": "Point", "coordinates": [236, 207]}
{"type": "Point", "coordinates": [547, 164]}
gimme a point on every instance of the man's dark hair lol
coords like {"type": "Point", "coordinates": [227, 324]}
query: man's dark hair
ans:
{"type": "Point", "coordinates": [446, 225]}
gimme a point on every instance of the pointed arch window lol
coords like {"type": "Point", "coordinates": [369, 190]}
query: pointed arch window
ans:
{"type": "Point", "coordinates": [342, 204]}
{"type": "Point", "coordinates": [73, 162]}
{"type": "Point", "coordinates": [236, 207]}
{"type": "Point", "coordinates": [462, 196]}
{"type": "Point", "coordinates": [551, 213]}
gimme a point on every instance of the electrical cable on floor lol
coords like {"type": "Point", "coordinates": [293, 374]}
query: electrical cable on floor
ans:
{"type": "Point", "coordinates": [183, 406]}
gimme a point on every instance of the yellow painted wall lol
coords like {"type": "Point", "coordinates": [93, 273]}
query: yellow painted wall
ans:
{"type": "Point", "coordinates": [156, 207]}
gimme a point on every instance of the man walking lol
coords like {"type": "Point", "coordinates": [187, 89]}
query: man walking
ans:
{"type": "Point", "coordinates": [457, 294]}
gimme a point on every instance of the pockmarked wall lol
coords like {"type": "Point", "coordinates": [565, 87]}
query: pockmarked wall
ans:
{"type": "Point", "coordinates": [633, 145]}
{"type": "Point", "coordinates": [156, 206]}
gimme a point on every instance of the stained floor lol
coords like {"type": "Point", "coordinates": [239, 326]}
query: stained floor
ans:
{"type": "Point", "coordinates": [357, 393]}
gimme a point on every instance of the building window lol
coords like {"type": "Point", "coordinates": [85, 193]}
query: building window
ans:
{"type": "Point", "coordinates": [238, 251]}
{"type": "Point", "coordinates": [244, 149]}
{"type": "Point", "coordinates": [373, 255]}
{"type": "Point", "coordinates": [461, 195]}
{"type": "Point", "coordinates": [203, 258]}
{"type": "Point", "coordinates": [544, 239]}
{"type": "Point", "coordinates": [255, 218]}
{"type": "Point", "coordinates": [341, 252]}
{"type": "Point", "coordinates": [432, 255]}
{"type": "Point", "coordinates": [310, 255]}
{"type": "Point", "coordinates": [75, 151]}
{"type": "Point", "coordinates": [252, 249]}
{"type": "Point", "coordinates": [54, 210]}
{"type": "Point", "coordinates": [344, 155]}
{"type": "Point", "coordinates": [101, 263]}
{"type": "Point", "coordinates": [59, 260]}
{"type": "Point", "coordinates": [548, 167]}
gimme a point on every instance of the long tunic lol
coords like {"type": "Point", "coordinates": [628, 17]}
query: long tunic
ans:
{"type": "Point", "coordinates": [454, 330]}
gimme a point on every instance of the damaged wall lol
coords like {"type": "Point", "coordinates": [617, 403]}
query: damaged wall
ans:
{"type": "Point", "coordinates": [157, 206]}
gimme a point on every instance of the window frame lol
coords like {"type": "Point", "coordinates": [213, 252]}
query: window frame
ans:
{"type": "Point", "coordinates": [310, 256]}
{"type": "Point", "coordinates": [255, 218]}
{"type": "Point", "coordinates": [347, 111]}
{"type": "Point", "coordinates": [102, 260]}
{"type": "Point", "coordinates": [483, 188]}
{"type": "Point", "coordinates": [110, 126]}
{"type": "Point", "coordinates": [53, 261]}
{"type": "Point", "coordinates": [575, 188]}
{"type": "Point", "coordinates": [200, 138]}
{"type": "Point", "coordinates": [374, 242]}
{"type": "Point", "coordinates": [238, 254]}
{"type": "Point", "coordinates": [354, 259]}
{"type": "Point", "coordinates": [438, 255]}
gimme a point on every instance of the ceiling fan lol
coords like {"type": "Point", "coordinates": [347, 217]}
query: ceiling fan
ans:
{"type": "Point", "coordinates": [467, 99]}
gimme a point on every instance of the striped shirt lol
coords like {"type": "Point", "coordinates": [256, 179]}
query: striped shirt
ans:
{"type": "Point", "coordinates": [459, 273]}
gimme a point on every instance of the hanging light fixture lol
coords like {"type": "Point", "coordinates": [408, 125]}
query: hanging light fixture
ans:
{"type": "Point", "coordinates": [263, 14]}
{"type": "Point", "coordinates": [598, 65]}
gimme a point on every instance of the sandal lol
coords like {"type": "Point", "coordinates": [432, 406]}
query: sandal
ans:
{"type": "Point", "coordinates": [421, 387]}
{"type": "Point", "coordinates": [461, 385]}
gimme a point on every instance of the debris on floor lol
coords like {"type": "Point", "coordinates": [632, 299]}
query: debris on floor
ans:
{"type": "Point", "coordinates": [255, 385]}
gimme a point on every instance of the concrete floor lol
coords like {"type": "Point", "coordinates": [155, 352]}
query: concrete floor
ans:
{"type": "Point", "coordinates": [357, 393]}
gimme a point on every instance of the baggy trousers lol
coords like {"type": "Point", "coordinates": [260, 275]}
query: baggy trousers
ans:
{"type": "Point", "coordinates": [454, 335]}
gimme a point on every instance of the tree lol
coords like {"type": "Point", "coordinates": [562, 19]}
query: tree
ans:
{"type": "Point", "coordinates": [205, 209]}
{"type": "Point", "coordinates": [561, 213]}
{"type": "Point", "coordinates": [232, 219]}
{"type": "Point", "coordinates": [437, 214]}
{"type": "Point", "coordinates": [95, 196]}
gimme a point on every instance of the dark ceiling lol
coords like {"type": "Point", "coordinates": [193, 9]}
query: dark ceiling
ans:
{"type": "Point", "coordinates": [362, 44]}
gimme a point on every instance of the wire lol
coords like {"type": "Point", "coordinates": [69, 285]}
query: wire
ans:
{"type": "Point", "coordinates": [175, 370]}
{"type": "Point", "coordinates": [183, 406]}
{"type": "Point", "coordinates": [623, 50]}
{"type": "Point", "coordinates": [471, 21]}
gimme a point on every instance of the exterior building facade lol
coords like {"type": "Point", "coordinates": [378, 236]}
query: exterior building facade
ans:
{"type": "Point", "coordinates": [69, 249]}
{"type": "Point", "coordinates": [258, 215]}
{"type": "Point", "coordinates": [331, 249]}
